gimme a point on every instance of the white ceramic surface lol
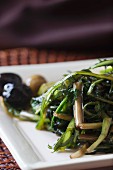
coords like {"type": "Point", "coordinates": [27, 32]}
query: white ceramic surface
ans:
{"type": "Point", "coordinates": [30, 146]}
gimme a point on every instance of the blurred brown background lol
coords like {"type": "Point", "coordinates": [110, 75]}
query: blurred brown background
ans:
{"type": "Point", "coordinates": [82, 26]}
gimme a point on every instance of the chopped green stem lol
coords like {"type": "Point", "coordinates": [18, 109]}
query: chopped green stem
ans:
{"type": "Point", "coordinates": [90, 125]}
{"type": "Point", "coordinates": [105, 128]}
{"type": "Point", "coordinates": [78, 111]}
{"type": "Point", "coordinates": [63, 116]}
{"type": "Point", "coordinates": [111, 88]}
{"type": "Point", "coordinates": [101, 76]}
{"type": "Point", "coordinates": [64, 139]}
{"type": "Point", "coordinates": [102, 99]}
{"type": "Point", "coordinates": [103, 63]}
{"type": "Point", "coordinates": [108, 70]}
{"type": "Point", "coordinates": [89, 104]}
{"type": "Point", "coordinates": [80, 152]}
{"type": "Point", "coordinates": [59, 108]}
{"type": "Point", "coordinates": [28, 116]}
{"type": "Point", "coordinates": [93, 85]}
{"type": "Point", "coordinates": [87, 137]}
{"type": "Point", "coordinates": [40, 123]}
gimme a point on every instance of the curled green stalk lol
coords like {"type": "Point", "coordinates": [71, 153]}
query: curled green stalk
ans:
{"type": "Point", "coordinates": [103, 63]}
{"type": "Point", "coordinates": [100, 76]}
{"type": "Point", "coordinates": [58, 110]}
{"type": "Point", "coordinates": [102, 99]}
{"type": "Point", "coordinates": [93, 85]}
{"type": "Point", "coordinates": [105, 128]}
{"type": "Point", "coordinates": [66, 138]}
{"type": "Point", "coordinates": [88, 113]}
{"type": "Point", "coordinates": [78, 104]}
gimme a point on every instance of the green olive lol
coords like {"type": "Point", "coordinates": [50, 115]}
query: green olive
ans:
{"type": "Point", "coordinates": [34, 82]}
{"type": "Point", "coordinates": [44, 87]}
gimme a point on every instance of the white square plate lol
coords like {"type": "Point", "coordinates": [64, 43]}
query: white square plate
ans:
{"type": "Point", "coordinates": [30, 146]}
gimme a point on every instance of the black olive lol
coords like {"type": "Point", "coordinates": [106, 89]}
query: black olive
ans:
{"type": "Point", "coordinates": [7, 89]}
{"type": "Point", "coordinates": [17, 96]}
{"type": "Point", "coordinates": [9, 78]}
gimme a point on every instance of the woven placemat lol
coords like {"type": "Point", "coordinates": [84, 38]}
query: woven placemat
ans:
{"type": "Point", "coordinates": [20, 56]}
{"type": "Point", "coordinates": [6, 159]}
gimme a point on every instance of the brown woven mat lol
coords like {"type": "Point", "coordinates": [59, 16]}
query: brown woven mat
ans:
{"type": "Point", "coordinates": [6, 159]}
{"type": "Point", "coordinates": [33, 56]}
{"type": "Point", "coordinates": [29, 56]}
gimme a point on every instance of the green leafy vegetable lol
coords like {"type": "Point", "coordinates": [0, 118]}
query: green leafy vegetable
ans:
{"type": "Point", "coordinates": [78, 108]}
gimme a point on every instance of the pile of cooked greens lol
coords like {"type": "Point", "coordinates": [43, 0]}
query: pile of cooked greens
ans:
{"type": "Point", "coordinates": [79, 109]}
